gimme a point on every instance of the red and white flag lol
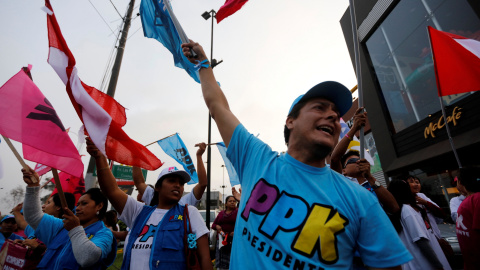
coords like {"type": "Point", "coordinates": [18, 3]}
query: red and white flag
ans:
{"type": "Point", "coordinates": [28, 117]}
{"type": "Point", "coordinates": [457, 62]}
{"type": "Point", "coordinates": [102, 116]}
{"type": "Point", "coordinates": [230, 7]}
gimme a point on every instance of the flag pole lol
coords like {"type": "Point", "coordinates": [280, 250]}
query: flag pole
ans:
{"type": "Point", "coordinates": [358, 72]}
{"type": "Point", "coordinates": [160, 139]}
{"type": "Point", "coordinates": [58, 185]}
{"type": "Point", "coordinates": [450, 139]}
{"type": "Point", "coordinates": [17, 155]}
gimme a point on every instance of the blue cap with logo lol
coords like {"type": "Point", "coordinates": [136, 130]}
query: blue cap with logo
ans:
{"type": "Point", "coordinates": [7, 217]}
{"type": "Point", "coordinates": [333, 91]}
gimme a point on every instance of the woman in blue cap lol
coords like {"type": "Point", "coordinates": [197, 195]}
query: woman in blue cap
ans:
{"type": "Point", "coordinates": [80, 240]}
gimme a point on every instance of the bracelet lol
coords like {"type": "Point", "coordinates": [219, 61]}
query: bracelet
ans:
{"type": "Point", "coordinates": [104, 168]}
{"type": "Point", "coordinates": [203, 64]}
{"type": "Point", "coordinates": [346, 135]}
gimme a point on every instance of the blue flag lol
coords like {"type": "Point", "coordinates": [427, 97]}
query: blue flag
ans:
{"type": "Point", "coordinates": [174, 147]}
{"type": "Point", "coordinates": [231, 171]}
{"type": "Point", "coordinates": [160, 23]}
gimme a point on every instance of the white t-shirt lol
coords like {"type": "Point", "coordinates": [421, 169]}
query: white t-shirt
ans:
{"type": "Point", "coordinates": [187, 199]}
{"type": "Point", "coordinates": [413, 230]}
{"type": "Point", "coordinates": [433, 219]}
{"type": "Point", "coordinates": [454, 204]}
{"type": "Point", "coordinates": [143, 244]}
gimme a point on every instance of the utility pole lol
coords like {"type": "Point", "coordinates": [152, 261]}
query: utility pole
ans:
{"type": "Point", "coordinates": [89, 180]}
{"type": "Point", "coordinates": [207, 15]}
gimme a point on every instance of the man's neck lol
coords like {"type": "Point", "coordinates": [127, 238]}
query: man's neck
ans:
{"type": "Point", "coordinates": [6, 234]}
{"type": "Point", "coordinates": [308, 157]}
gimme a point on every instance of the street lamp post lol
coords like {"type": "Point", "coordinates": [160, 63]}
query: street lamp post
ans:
{"type": "Point", "coordinates": [207, 15]}
{"type": "Point", "coordinates": [223, 186]}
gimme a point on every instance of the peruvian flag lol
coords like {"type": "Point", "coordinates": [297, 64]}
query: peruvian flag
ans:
{"type": "Point", "coordinates": [28, 117]}
{"type": "Point", "coordinates": [102, 116]}
{"type": "Point", "coordinates": [230, 7]}
{"type": "Point", "coordinates": [457, 62]}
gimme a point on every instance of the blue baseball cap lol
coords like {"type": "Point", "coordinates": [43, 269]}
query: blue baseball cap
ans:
{"type": "Point", "coordinates": [7, 217]}
{"type": "Point", "coordinates": [333, 91]}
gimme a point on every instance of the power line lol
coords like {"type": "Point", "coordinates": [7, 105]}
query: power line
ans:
{"type": "Point", "coordinates": [134, 33]}
{"type": "Point", "coordinates": [116, 9]}
{"type": "Point", "coordinates": [101, 16]}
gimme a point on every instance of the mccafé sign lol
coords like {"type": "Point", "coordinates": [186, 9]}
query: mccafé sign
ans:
{"type": "Point", "coordinates": [433, 126]}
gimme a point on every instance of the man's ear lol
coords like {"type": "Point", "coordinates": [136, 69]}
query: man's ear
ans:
{"type": "Point", "coordinates": [289, 122]}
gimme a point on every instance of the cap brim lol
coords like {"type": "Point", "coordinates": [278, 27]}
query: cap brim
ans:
{"type": "Point", "coordinates": [333, 91]}
{"type": "Point", "coordinates": [183, 174]}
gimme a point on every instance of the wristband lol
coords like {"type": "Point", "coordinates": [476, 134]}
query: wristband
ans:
{"type": "Point", "coordinates": [203, 64]}
{"type": "Point", "coordinates": [349, 138]}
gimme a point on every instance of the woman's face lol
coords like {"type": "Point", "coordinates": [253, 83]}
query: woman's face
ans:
{"type": "Point", "coordinates": [50, 208]}
{"type": "Point", "coordinates": [231, 203]}
{"type": "Point", "coordinates": [171, 188]}
{"type": "Point", "coordinates": [87, 209]}
{"type": "Point", "coordinates": [414, 185]}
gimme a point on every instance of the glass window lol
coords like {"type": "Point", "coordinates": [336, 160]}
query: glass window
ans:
{"type": "Point", "coordinates": [400, 53]}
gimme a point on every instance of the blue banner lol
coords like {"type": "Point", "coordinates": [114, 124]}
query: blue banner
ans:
{"type": "Point", "coordinates": [231, 171]}
{"type": "Point", "coordinates": [175, 148]}
{"type": "Point", "coordinates": [160, 23]}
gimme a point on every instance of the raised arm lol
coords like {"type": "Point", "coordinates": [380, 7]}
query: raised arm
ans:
{"type": "Point", "coordinates": [199, 188]}
{"type": "Point", "coordinates": [212, 93]}
{"type": "Point", "coordinates": [138, 179]}
{"type": "Point", "coordinates": [32, 208]}
{"type": "Point", "coordinates": [107, 181]}
{"type": "Point", "coordinates": [359, 120]}
{"type": "Point", "coordinates": [384, 196]}
{"type": "Point", "coordinates": [21, 223]}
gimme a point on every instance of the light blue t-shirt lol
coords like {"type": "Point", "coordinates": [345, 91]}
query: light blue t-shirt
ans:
{"type": "Point", "coordinates": [295, 216]}
{"type": "Point", "coordinates": [11, 237]}
{"type": "Point", "coordinates": [50, 226]}
{"type": "Point", "coordinates": [29, 232]}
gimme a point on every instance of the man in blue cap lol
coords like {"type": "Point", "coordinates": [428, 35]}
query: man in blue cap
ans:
{"type": "Point", "coordinates": [7, 227]}
{"type": "Point", "coordinates": [295, 212]}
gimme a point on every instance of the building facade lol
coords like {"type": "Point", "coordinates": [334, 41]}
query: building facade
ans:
{"type": "Point", "coordinates": [400, 92]}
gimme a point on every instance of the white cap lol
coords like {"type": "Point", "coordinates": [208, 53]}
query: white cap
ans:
{"type": "Point", "coordinates": [173, 170]}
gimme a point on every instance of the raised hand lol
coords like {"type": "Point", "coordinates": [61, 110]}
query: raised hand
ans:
{"type": "Point", "coordinates": [28, 175]}
{"type": "Point", "coordinates": [186, 47]}
{"type": "Point", "coordinates": [201, 148]}
{"type": "Point", "coordinates": [70, 221]}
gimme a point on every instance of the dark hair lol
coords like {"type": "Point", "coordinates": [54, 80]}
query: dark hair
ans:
{"type": "Point", "coordinates": [110, 219]}
{"type": "Point", "coordinates": [69, 197]}
{"type": "Point", "coordinates": [97, 195]}
{"type": "Point", "coordinates": [228, 197]}
{"type": "Point", "coordinates": [402, 193]}
{"type": "Point", "coordinates": [154, 200]}
{"type": "Point", "coordinates": [413, 177]}
{"type": "Point", "coordinates": [294, 114]}
{"type": "Point", "coordinates": [470, 178]}
{"type": "Point", "coordinates": [349, 154]}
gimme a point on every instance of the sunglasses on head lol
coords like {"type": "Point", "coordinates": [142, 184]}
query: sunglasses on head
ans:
{"type": "Point", "coordinates": [350, 161]}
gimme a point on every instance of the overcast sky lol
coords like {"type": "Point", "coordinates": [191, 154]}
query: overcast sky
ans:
{"type": "Point", "coordinates": [273, 51]}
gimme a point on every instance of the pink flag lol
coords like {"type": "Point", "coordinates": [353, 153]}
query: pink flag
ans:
{"type": "Point", "coordinates": [102, 116]}
{"type": "Point", "coordinates": [230, 7]}
{"type": "Point", "coordinates": [457, 62]}
{"type": "Point", "coordinates": [28, 117]}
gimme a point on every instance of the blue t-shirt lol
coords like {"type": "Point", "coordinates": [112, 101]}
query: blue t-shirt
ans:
{"type": "Point", "coordinates": [11, 237]}
{"type": "Point", "coordinates": [295, 216]}
{"type": "Point", "coordinates": [50, 226]}
{"type": "Point", "coordinates": [29, 232]}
